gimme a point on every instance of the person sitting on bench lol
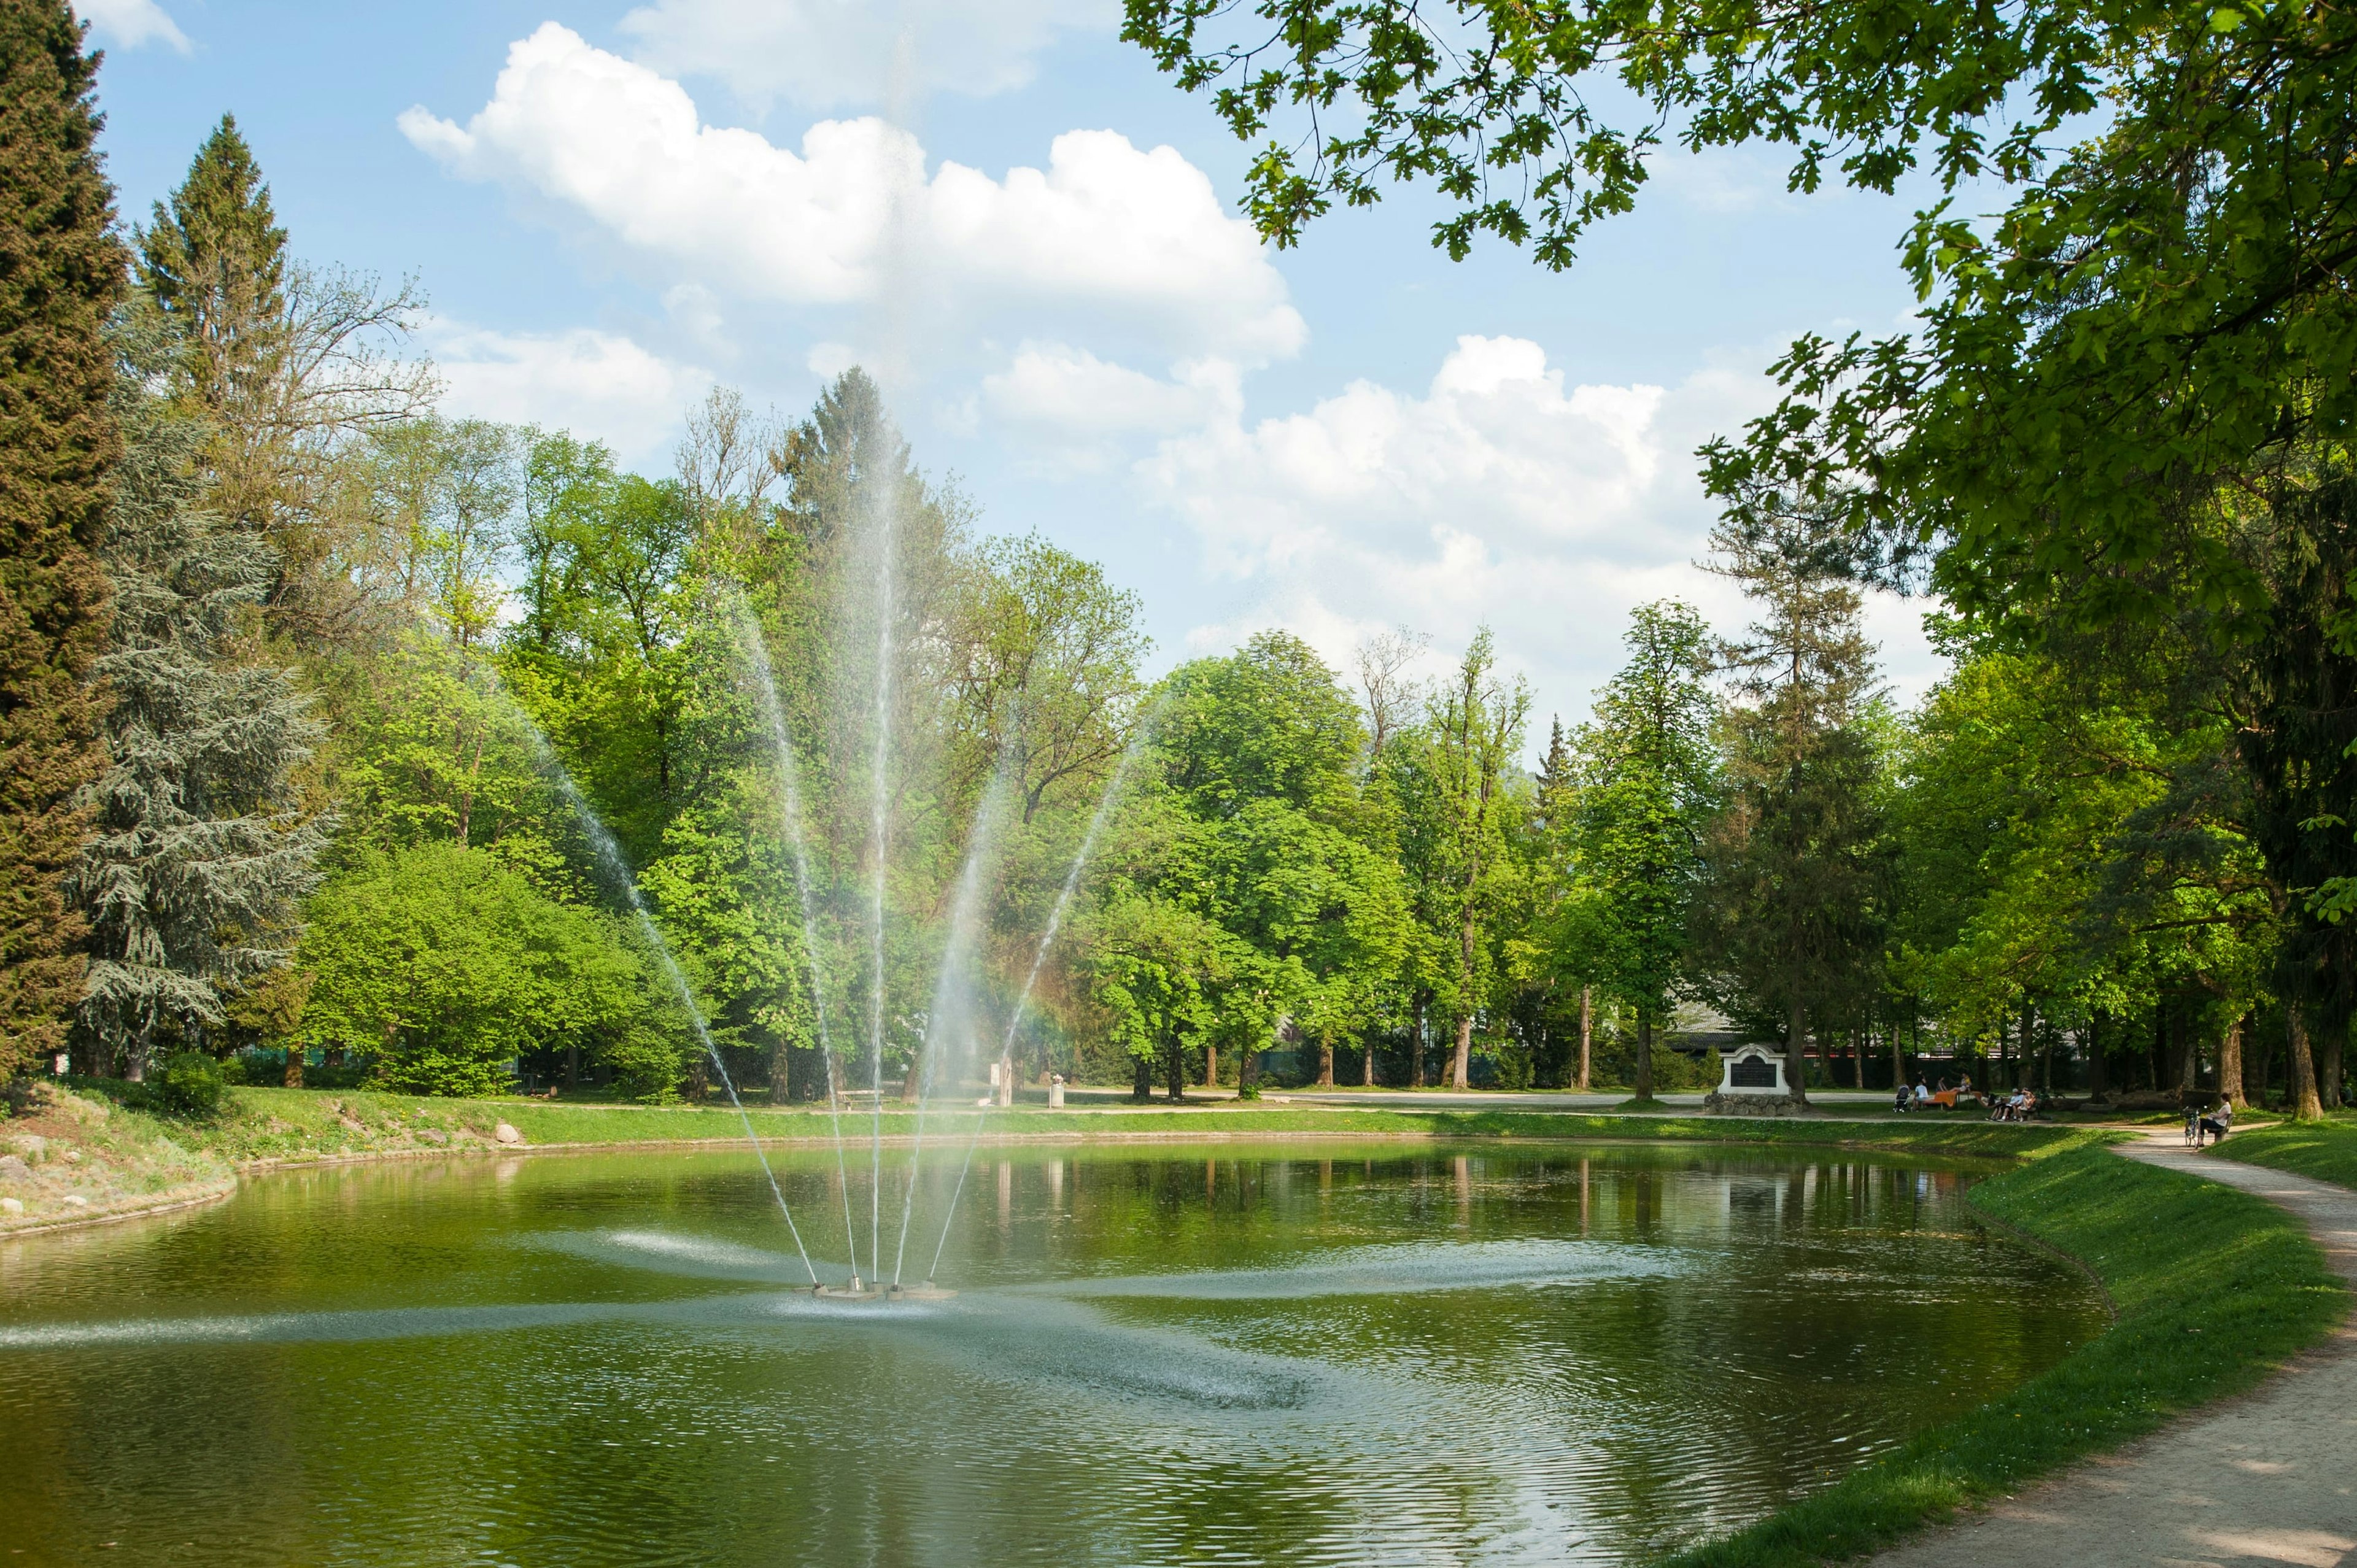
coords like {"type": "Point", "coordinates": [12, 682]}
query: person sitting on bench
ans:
{"type": "Point", "coordinates": [2216, 1124]}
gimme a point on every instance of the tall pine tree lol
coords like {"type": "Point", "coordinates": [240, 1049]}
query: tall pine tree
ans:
{"type": "Point", "coordinates": [60, 273]}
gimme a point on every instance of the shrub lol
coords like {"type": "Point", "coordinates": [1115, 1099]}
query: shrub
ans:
{"type": "Point", "coordinates": [190, 1084]}
{"type": "Point", "coordinates": [444, 965]}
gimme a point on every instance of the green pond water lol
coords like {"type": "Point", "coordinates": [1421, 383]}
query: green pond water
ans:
{"type": "Point", "coordinates": [1250, 1353]}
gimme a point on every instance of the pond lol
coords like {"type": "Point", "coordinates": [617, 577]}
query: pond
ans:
{"type": "Point", "coordinates": [1297, 1353]}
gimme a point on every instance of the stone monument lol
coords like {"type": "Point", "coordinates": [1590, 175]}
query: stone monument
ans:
{"type": "Point", "coordinates": [1752, 1083]}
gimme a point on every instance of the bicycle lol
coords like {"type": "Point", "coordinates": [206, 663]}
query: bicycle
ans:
{"type": "Point", "coordinates": [2194, 1129]}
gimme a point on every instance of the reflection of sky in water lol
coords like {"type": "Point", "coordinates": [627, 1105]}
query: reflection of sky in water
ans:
{"type": "Point", "coordinates": [1517, 1357]}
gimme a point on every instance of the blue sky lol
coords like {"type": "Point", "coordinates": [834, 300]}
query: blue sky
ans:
{"type": "Point", "coordinates": [1033, 239]}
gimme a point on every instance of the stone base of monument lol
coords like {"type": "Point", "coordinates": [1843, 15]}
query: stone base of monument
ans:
{"type": "Point", "coordinates": [1721, 1103]}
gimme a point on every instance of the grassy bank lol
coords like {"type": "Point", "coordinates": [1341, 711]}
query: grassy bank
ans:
{"type": "Point", "coordinates": [2213, 1288]}
{"type": "Point", "coordinates": [276, 1124]}
{"type": "Point", "coordinates": [2325, 1150]}
{"type": "Point", "coordinates": [125, 1156]}
{"type": "Point", "coordinates": [66, 1158]}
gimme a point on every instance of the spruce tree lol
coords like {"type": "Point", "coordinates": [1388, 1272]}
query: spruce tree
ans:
{"type": "Point", "coordinates": [60, 273]}
{"type": "Point", "coordinates": [214, 259]}
{"type": "Point", "coordinates": [203, 846]}
{"type": "Point", "coordinates": [1793, 927]}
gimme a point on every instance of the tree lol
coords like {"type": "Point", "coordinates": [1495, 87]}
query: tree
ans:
{"type": "Point", "coordinates": [286, 366]}
{"type": "Point", "coordinates": [446, 493]}
{"type": "Point", "coordinates": [1793, 921]}
{"type": "Point", "coordinates": [61, 274]}
{"type": "Point", "coordinates": [1154, 967]}
{"type": "Point", "coordinates": [2066, 851]}
{"type": "Point", "coordinates": [1647, 786]}
{"type": "Point", "coordinates": [1476, 725]}
{"type": "Point", "coordinates": [214, 260]}
{"type": "Point", "coordinates": [1241, 879]}
{"type": "Point", "coordinates": [202, 844]}
{"type": "Point", "coordinates": [1047, 668]}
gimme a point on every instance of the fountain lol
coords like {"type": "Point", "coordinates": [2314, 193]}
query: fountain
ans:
{"type": "Point", "coordinates": [950, 1017]}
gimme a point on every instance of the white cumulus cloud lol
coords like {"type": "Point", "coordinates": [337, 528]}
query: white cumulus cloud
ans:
{"type": "Point", "coordinates": [826, 54]}
{"type": "Point", "coordinates": [1078, 411]}
{"type": "Point", "coordinates": [852, 217]}
{"type": "Point", "coordinates": [1499, 496]}
{"type": "Point", "coordinates": [596, 384]}
{"type": "Point", "coordinates": [130, 23]}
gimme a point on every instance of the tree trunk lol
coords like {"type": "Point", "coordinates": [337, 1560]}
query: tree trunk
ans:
{"type": "Point", "coordinates": [466, 796]}
{"type": "Point", "coordinates": [1247, 1071]}
{"type": "Point", "coordinates": [2230, 1065]}
{"type": "Point", "coordinates": [2301, 1090]}
{"type": "Point", "coordinates": [1898, 1060]}
{"type": "Point", "coordinates": [1416, 1045]}
{"type": "Point", "coordinates": [1210, 1065]}
{"type": "Point", "coordinates": [1796, 1053]}
{"type": "Point", "coordinates": [1367, 1061]}
{"type": "Point", "coordinates": [1586, 1030]}
{"type": "Point", "coordinates": [2098, 1083]}
{"type": "Point", "coordinates": [2026, 1045]}
{"type": "Point", "coordinates": [1324, 1064]}
{"type": "Point", "coordinates": [1644, 1085]}
{"type": "Point", "coordinates": [1174, 1074]}
{"type": "Point", "coordinates": [294, 1055]}
{"type": "Point", "coordinates": [1856, 1059]}
{"type": "Point", "coordinates": [1469, 933]}
{"type": "Point", "coordinates": [2189, 1062]}
{"type": "Point", "coordinates": [1142, 1089]}
{"type": "Point", "coordinates": [2329, 1068]}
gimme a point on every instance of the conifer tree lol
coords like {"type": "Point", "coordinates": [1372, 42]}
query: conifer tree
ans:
{"type": "Point", "coordinates": [60, 271]}
{"type": "Point", "coordinates": [215, 259]}
{"type": "Point", "coordinates": [1791, 923]}
{"type": "Point", "coordinates": [202, 847]}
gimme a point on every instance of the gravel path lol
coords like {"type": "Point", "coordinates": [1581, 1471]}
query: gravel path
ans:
{"type": "Point", "coordinates": [2267, 1478]}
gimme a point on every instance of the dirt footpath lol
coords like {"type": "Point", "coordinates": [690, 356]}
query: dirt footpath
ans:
{"type": "Point", "coordinates": [2267, 1478]}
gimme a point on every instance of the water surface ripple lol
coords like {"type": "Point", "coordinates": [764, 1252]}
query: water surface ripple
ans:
{"type": "Point", "coordinates": [1292, 1354]}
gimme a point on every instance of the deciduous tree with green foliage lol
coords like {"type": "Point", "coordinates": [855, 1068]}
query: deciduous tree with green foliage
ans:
{"type": "Point", "coordinates": [1647, 786]}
